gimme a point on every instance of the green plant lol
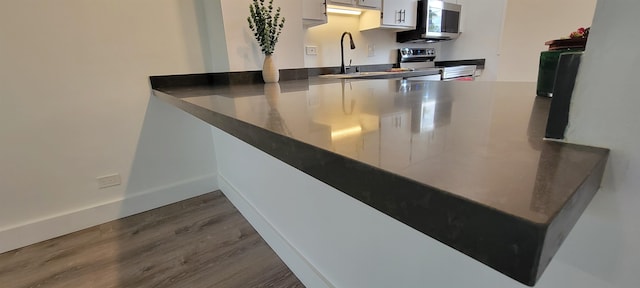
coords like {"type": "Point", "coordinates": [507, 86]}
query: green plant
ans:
{"type": "Point", "coordinates": [265, 25]}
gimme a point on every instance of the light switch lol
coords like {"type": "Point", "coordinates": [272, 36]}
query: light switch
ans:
{"type": "Point", "coordinates": [311, 50]}
{"type": "Point", "coordinates": [371, 50]}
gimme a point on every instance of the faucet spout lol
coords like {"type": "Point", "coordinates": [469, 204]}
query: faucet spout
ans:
{"type": "Point", "coordinates": [353, 46]}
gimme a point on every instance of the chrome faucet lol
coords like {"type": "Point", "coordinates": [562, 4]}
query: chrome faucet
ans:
{"type": "Point", "coordinates": [353, 46]}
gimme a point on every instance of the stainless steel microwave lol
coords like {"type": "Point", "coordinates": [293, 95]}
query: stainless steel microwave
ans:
{"type": "Point", "coordinates": [437, 21]}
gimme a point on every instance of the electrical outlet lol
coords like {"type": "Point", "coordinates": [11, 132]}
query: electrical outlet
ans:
{"type": "Point", "coordinates": [108, 180]}
{"type": "Point", "coordinates": [311, 50]}
{"type": "Point", "coordinates": [371, 50]}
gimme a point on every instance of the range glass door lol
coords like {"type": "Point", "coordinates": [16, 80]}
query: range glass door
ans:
{"type": "Point", "coordinates": [435, 19]}
{"type": "Point", "coordinates": [450, 21]}
{"type": "Point", "coordinates": [443, 19]}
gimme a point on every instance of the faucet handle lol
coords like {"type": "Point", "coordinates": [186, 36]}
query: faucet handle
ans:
{"type": "Point", "coordinates": [351, 69]}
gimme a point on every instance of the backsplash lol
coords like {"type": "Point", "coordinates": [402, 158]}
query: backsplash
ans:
{"type": "Point", "coordinates": [327, 38]}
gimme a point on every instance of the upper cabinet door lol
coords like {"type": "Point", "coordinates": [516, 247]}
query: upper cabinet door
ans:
{"type": "Point", "coordinates": [370, 3]}
{"type": "Point", "coordinates": [392, 12]}
{"type": "Point", "coordinates": [410, 14]}
{"type": "Point", "coordinates": [314, 12]}
{"type": "Point", "coordinates": [395, 14]}
{"type": "Point", "coordinates": [361, 4]}
{"type": "Point", "coordinates": [399, 13]}
{"type": "Point", "coordinates": [343, 2]}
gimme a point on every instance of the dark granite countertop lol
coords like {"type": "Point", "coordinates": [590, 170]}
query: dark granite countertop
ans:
{"type": "Point", "coordinates": [462, 162]}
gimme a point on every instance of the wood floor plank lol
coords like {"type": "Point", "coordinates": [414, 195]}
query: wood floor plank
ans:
{"type": "Point", "coordinates": [199, 242]}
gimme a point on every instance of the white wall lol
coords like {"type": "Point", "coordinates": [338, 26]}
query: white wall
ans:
{"type": "Point", "coordinates": [212, 34]}
{"type": "Point", "coordinates": [75, 104]}
{"type": "Point", "coordinates": [604, 113]}
{"type": "Point", "coordinates": [244, 53]}
{"type": "Point", "coordinates": [530, 23]}
{"type": "Point", "coordinates": [510, 34]}
{"type": "Point", "coordinates": [481, 35]}
{"type": "Point", "coordinates": [327, 38]}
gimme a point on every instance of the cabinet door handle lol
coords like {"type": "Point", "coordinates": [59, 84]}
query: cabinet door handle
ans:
{"type": "Point", "coordinates": [404, 15]}
{"type": "Point", "coordinates": [399, 20]}
{"type": "Point", "coordinates": [397, 121]}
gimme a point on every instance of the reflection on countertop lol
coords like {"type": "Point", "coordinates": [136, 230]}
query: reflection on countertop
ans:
{"type": "Point", "coordinates": [466, 138]}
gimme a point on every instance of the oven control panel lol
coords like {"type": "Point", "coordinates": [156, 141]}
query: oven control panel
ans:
{"type": "Point", "coordinates": [417, 52]}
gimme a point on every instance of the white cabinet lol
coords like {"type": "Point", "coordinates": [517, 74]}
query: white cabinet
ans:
{"type": "Point", "coordinates": [314, 12]}
{"type": "Point", "coordinates": [364, 4]}
{"type": "Point", "coordinates": [399, 13]}
{"type": "Point", "coordinates": [376, 4]}
{"type": "Point", "coordinates": [342, 2]}
{"type": "Point", "coordinates": [396, 14]}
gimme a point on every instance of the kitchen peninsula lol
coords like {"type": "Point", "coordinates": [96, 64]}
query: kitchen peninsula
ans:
{"type": "Point", "coordinates": [464, 163]}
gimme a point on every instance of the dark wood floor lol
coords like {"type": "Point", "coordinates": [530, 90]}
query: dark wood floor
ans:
{"type": "Point", "coordinates": [200, 242]}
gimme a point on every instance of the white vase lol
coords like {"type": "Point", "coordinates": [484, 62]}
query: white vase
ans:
{"type": "Point", "coordinates": [270, 73]}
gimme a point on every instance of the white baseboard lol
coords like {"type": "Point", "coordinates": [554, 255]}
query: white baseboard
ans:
{"type": "Point", "coordinates": [296, 261]}
{"type": "Point", "coordinates": [64, 223]}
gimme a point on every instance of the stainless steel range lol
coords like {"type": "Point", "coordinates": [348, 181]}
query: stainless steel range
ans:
{"type": "Point", "coordinates": [416, 58]}
{"type": "Point", "coordinates": [423, 59]}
